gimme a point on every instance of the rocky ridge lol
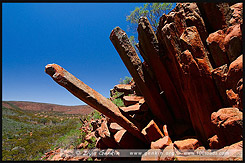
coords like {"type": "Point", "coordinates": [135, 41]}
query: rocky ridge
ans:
{"type": "Point", "coordinates": [186, 95]}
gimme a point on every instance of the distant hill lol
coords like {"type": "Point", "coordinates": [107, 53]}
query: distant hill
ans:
{"type": "Point", "coordinates": [35, 106]}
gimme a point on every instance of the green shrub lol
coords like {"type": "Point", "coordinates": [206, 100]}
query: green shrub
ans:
{"type": "Point", "coordinates": [96, 115]}
{"type": "Point", "coordinates": [118, 102]}
{"type": "Point", "coordinates": [126, 80]}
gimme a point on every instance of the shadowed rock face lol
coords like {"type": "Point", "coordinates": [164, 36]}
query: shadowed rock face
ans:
{"type": "Point", "coordinates": [189, 83]}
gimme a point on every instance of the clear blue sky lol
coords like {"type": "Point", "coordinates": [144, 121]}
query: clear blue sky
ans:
{"type": "Point", "coordinates": [73, 35]}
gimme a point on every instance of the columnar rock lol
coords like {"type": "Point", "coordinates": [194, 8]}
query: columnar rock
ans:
{"type": "Point", "coordinates": [201, 101]}
{"type": "Point", "coordinates": [215, 15]}
{"type": "Point", "coordinates": [140, 76]}
{"type": "Point", "coordinates": [233, 41]}
{"type": "Point", "coordinates": [189, 15]}
{"type": "Point", "coordinates": [148, 43]}
{"type": "Point", "coordinates": [188, 64]}
{"type": "Point", "coordinates": [200, 86]}
{"type": "Point", "coordinates": [215, 42]}
{"type": "Point", "coordinates": [235, 72]}
{"type": "Point", "coordinates": [91, 97]}
{"type": "Point", "coordinates": [219, 75]}
{"type": "Point", "coordinates": [169, 49]}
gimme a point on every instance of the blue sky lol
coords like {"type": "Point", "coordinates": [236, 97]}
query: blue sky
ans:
{"type": "Point", "coordinates": [73, 35]}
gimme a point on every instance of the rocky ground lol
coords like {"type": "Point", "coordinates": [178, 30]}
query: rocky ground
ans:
{"type": "Point", "coordinates": [185, 102]}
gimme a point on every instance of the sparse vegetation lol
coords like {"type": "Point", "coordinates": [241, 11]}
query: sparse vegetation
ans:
{"type": "Point", "coordinates": [118, 101]}
{"type": "Point", "coordinates": [27, 135]}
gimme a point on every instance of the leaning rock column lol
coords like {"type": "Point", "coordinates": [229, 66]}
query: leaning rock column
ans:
{"type": "Point", "coordinates": [148, 43]}
{"type": "Point", "coordinates": [199, 85]}
{"type": "Point", "coordinates": [92, 98]}
{"type": "Point", "coordinates": [141, 78]}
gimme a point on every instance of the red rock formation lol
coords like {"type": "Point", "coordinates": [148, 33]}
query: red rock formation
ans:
{"type": "Point", "coordinates": [214, 142]}
{"type": "Point", "coordinates": [161, 143]}
{"type": "Point", "coordinates": [114, 127]}
{"type": "Point", "coordinates": [128, 141]}
{"type": "Point", "coordinates": [148, 44]}
{"type": "Point", "coordinates": [215, 15]}
{"type": "Point", "coordinates": [215, 42]}
{"type": "Point", "coordinates": [152, 132]}
{"type": "Point", "coordinates": [140, 75]}
{"type": "Point", "coordinates": [236, 15]}
{"type": "Point", "coordinates": [191, 79]}
{"type": "Point", "coordinates": [219, 75]}
{"type": "Point", "coordinates": [228, 123]}
{"type": "Point", "coordinates": [235, 73]}
{"type": "Point", "coordinates": [233, 42]}
{"type": "Point", "coordinates": [131, 100]}
{"type": "Point", "coordinates": [124, 88]}
{"type": "Point", "coordinates": [187, 144]}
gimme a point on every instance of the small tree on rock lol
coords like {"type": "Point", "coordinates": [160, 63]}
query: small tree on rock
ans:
{"type": "Point", "coordinates": [153, 12]}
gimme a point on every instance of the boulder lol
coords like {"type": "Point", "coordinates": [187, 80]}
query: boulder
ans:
{"type": "Point", "coordinates": [187, 144]}
{"type": "Point", "coordinates": [232, 97]}
{"type": "Point", "coordinates": [168, 153]}
{"type": "Point", "coordinates": [152, 132]}
{"type": "Point", "coordinates": [125, 88]}
{"type": "Point", "coordinates": [131, 109]}
{"type": "Point", "coordinates": [233, 152]}
{"type": "Point", "coordinates": [161, 143]}
{"type": "Point", "coordinates": [214, 142]}
{"type": "Point", "coordinates": [229, 125]}
{"type": "Point", "coordinates": [127, 141]}
{"type": "Point", "coordinates": [114, 127]}
{"type": "Point", "coordinates": [236, 16]}
{"type": "Point", "coordinates": [131, 100]}
{"type": "Point", "coordinates": [104, 133]}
